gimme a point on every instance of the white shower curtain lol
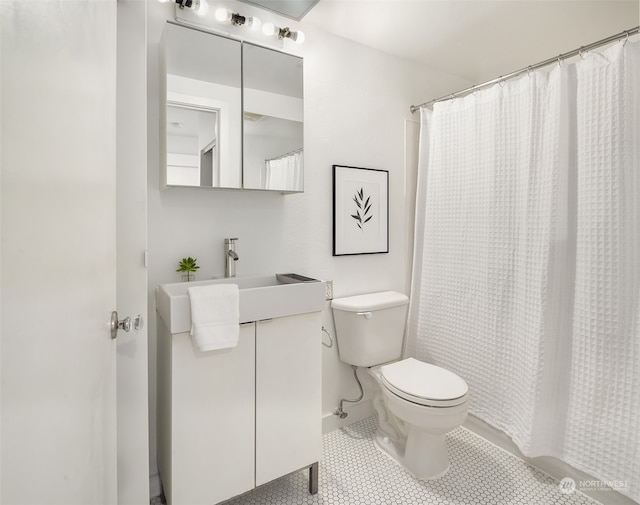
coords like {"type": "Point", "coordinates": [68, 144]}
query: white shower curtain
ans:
{"type": "Point", "coordinates": [285, 172]}
{"type": "Point", "coordinates": [527, 264]}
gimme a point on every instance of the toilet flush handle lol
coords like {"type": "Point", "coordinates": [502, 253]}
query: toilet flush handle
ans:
{"type": "Point", "coordinates": [367, 315]}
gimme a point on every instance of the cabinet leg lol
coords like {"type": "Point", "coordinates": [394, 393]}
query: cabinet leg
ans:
{"type": "Point", "coordinates": [313, 478]}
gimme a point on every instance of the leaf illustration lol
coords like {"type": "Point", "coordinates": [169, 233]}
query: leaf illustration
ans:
{"type": "Point", "coordinates": [363, 205]}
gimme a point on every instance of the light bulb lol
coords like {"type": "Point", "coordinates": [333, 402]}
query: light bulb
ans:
{"type": "Point", "coordinates": [299, 39]}
{"type": "Point", "coordinates": [268, 29]}
{"type": "Point", "coordinates": [221, 14]}
{"type": "Point", "coordinates": [254, 23]}
{"type": "Point", "coordinates": [201, 7]}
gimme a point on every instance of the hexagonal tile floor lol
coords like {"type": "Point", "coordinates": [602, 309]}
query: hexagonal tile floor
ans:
{"type": "Point", "coordinates": [354, 472]}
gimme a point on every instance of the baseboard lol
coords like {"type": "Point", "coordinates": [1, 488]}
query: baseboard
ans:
{"type": "Point", "coordinates": [155, 488]}
{"type": "Point", "coordinates": [355, 412]}
{"type": "Point", "coordinates": [549, 465]}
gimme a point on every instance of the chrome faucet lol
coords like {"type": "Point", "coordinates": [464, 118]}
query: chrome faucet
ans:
{"type": "Point", "coordinates": [230, 257]}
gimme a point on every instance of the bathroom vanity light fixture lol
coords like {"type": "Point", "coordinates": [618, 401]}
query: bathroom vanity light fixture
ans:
{"type": "Point", "coordinates": [225, 16]}
{"type": "Point", "coordinates": [200, 7]}
{"type": "Point", "coordinates": [269, 29]}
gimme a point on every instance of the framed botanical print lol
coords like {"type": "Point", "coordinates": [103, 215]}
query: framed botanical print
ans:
{"type": "Point", "coordinates": [360, 210]}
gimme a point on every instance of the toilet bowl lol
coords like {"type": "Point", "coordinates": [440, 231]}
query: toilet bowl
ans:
{"type": "Point", "coordinates": [416, 403]}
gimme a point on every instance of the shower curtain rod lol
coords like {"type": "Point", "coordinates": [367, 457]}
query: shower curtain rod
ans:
{"type": "Point", "coordinates": [296, 151]}
{"type": "Point", "coordinates": [625, 34]}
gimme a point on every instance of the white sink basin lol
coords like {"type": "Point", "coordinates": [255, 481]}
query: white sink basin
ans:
{"type": "Point", "coordinates": [260, 298]}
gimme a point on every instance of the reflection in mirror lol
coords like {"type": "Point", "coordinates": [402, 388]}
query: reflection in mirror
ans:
{"type": "Point", "coordinates": [203, 109]}
{"type": "Point", "coordinates": [273, 120]}
{"type": "Point", "coordinates": [192, 146]}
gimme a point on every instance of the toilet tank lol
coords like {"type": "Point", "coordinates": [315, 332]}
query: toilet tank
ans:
{"type": "Point", "coordinates": [370, 328]}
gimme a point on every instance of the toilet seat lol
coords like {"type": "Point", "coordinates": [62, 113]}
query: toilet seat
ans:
{"type": "Point", "coordinates": [423, 383]}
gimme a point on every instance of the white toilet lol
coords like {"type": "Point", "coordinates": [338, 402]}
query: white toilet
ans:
{"type": "Point", "coordinates": [417, 403]}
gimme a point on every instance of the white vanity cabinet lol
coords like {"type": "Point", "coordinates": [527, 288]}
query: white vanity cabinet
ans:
{"type": "Point", "coordinates": [234, 419]}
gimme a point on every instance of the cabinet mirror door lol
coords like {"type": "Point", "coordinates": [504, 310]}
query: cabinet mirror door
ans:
{"type": "Point", "coordinates": [202, 113]}
{"type": "Point", "coordinates": [272, 120]}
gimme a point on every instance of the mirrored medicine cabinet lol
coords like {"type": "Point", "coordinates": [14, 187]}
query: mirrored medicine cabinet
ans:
{"type": "Point", "coordinates": [232, 113]}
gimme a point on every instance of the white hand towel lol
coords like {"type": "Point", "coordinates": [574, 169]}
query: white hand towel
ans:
{"type": "Point", "coordinates": [215, 316]}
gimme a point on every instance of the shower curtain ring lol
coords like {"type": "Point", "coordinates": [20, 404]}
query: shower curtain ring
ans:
{"type": "Point", "coordinates": [560, 60]}
{"type": "Point", "coordinates": [626, 39]}
{"type": "Point", "coordinates": [582, 56]}
{"type": "Point", "coordinates": [501, 82]}
{"type": "Point", "coordinates": [530, 71]}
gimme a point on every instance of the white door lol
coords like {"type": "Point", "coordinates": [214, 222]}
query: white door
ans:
{"type": "Point", "coordinates": [58, 96]}
{"type": "Point", "coordinates": [131, 225]}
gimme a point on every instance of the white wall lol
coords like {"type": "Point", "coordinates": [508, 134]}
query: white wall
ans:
{"type": "Point", "coordinates": [356, 104]}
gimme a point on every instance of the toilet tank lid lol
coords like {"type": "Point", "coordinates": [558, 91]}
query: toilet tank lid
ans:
{"type": "Point", "coordinates": [370, 301]}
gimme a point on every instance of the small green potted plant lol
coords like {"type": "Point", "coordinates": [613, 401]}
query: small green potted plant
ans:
{"type": "Point", "coordinates": [188, 267]}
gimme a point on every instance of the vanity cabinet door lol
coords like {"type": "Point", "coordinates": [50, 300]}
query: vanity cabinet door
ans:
{"type": "Point", "coordinates": [212, 420]}
{"type": "Point", "coordinates": [288, 395]}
